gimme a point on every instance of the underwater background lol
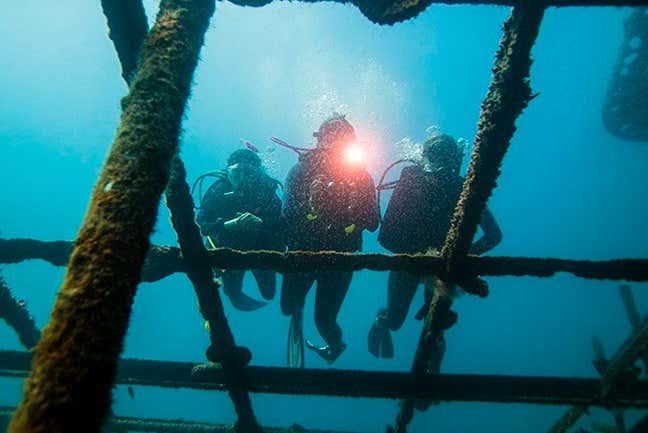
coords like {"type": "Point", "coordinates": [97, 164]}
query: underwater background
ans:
{"type": "Point", "coordinates": [568, 189]}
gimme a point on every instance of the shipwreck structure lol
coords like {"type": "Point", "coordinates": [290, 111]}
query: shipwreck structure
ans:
{"type": "Point", "coordinates": [76, 361]}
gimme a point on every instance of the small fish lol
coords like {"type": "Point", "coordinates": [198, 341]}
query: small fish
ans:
{"type": "Point", "coordinates": [131, 392]}
{"type": "Point", "coordinates": [251, 146]}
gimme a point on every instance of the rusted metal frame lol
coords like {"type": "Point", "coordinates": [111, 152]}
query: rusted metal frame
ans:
{"type": "Point", "coordinates": [199, 271]}
{"type": "Point", "coordinates": [124, 424]}
{"type": "Point", "coordinates": [600, 364]}
{"type": "Point", "coordinates": [75, 362]}
{"type": "Point", "coordinates": [393, 11]}
{"type": "Point", "coordinates": [16, 315]}
{"type": "Point", "coordinates": [162, 261]}
{"type": "Point", "coordinates": [614, 379]}
{"type": "Point", "coordinates": [509, 93]}
{"type": "Point", "coordinates": [633, 314]}
{"type": "Point", "coordinates": [365, 384]}
{"type": "Point", "coordinates": [128, 27]}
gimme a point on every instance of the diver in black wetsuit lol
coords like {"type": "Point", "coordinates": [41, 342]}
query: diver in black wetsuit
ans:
{"type": "Point", "coordinates": [329, 200]}
{"type": "Point", "coordinates": [241, 210]}
{"type": "Point", "coordinates": [417, 220]}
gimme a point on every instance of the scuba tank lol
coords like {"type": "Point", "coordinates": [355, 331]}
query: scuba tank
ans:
{"type": "Point", "coordinates": [419, 211]}
{"type": "Point", "coordinates": [382, 186]}
{"type": "Point", "coordinates": [200, 180]}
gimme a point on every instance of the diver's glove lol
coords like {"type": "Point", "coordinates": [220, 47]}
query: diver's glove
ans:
{"type": "Point", "coordinates": [243, 222]}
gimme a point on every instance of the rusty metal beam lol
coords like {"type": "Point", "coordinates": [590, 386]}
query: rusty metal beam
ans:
{"type": "Point", "coordinates": [613, 378]}
{"type": "Point", "coordinates": [91, 313]}
{"type": "Point", "coordinates": [123, 424]}
{"type": "Point", "coordinates": [128, 28]}
{"type": "Point", "coordinates": [163, 261]}
{"type": "Point", "coordinates": [393, 11]}
{"type": "Point", "coordinates": [365, 384]}
{"type": "Point", "coordinates": [15, 313]}
{"type": "Point", "coordinates": [508, 95]}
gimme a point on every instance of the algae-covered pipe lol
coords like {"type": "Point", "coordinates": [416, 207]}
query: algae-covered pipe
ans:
{"type": "Point", "coordinates": [394, 11]}
{"type": "Point", "coordinates": [128, 28]}
{"type": "Point", "coordinates": [180, 204]}
{"type": "Point", "coordinates": [16, 315]}
{"type": "Point", "coordinates": [508, 94]}
{"type": "Point", "coordinates": [75, 362]}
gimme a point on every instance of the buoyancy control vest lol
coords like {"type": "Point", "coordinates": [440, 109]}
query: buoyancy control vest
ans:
{"type": "Point", "coordinates": [418, 215]}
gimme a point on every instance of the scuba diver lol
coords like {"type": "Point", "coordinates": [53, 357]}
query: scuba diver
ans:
{"type": "Point", "coordinates": [241, 210]}
{"type": "Point", "coordinates": [329, 200]}
{"type": "Point", "coordinates": [417, 220]}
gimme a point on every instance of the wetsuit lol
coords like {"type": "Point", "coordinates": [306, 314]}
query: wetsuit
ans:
{"type": "Point", "coordinates": [325, 210]}
{"type": "Point", "coordinates": [220, 204]}
{"type": "Point", "coordinates": [417, 220]}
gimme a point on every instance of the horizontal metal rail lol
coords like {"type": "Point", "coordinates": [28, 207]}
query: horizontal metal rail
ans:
{"type": "Point", "coordinates": [123, 424]}
{"type": "Point", "coordinates": [163, 261]}
{"type": "Point", "coordinates": [367, 384]}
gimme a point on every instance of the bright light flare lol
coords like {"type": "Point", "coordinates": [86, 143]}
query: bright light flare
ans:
{"type": "Point", "coordinates": [355, 155]}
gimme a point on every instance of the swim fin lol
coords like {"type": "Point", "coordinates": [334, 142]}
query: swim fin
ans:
{"type": "Point", "coordinates": [379, 341]}
{"type": "Point", "coordinates": [243, 302]}
{"type": "Point", "coordinates": [295, 349]}
{"type": "Point", "coordinates": [326, 352]}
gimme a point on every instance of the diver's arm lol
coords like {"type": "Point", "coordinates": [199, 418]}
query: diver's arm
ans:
{"type": "Point", "coordinates": [208, 218]}
{"type": "Point", "coordinates": [492, 234]}
{"type": "Point", "coordinates": [370, 215]}
{"type": "Point", "coordinates": [271, 216]}
{"type": "Point", "coordinates": [295, 200]}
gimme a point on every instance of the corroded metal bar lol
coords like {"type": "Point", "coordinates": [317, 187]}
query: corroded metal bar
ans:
{"type": "Point", "coordinates": [393, 11]}
{"type": "Point", "coordinates": [75, 361]}
{"type": "Point", "coordinates": [123, 424]}
{"type": "Point", "coordinates": [163, 261]}
{"type": "Point", "coordinates": [365, 384]}
{"type": "Point", "coordinates": [601, 363]}
{"type": "Point", "coordinates": [611, 382]}
{"type": "Point", "coordinates": [630, 306]}
{"type": "Point", "coordinates": [199, 271]}
{"type": "Point", "coordinates": [633, 314]}
{"type": "Point", "coordinates": [128, 28]}
{"type": "Point", "coordinates": [17, 317]}
{"type": "Point", "coordinates": [508, 94]}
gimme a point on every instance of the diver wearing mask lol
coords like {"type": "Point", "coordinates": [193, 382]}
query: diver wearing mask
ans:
{"type": "Point", "coordinates": [329, 201]}
{"type": "Point", "coordinates": [417, 220]}
{"type": "Point", "coordinates": [241, 210]}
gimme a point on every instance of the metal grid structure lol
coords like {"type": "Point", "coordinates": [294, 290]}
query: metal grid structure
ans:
{"type": "Point", "coordinates": [144, 162]}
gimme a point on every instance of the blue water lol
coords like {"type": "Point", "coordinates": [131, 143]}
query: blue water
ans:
{"type": "Point", "coordinates": [568, 189]}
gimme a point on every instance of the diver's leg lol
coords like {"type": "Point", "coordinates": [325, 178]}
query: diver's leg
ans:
{"type": "Point", "coordinates": [267, 282]}
{"type": "Point", "coordinates": [294, 289]}
{"type": "Point", "coordinates": [401, 289]}
{"type": "Point", "coordinates": [233, 288]}
{"type": "Point", "coordinates": [332, 288]}
{"type": "Point", "coordinates": [293, 295]}
{"type": "Point", "coordinates": [232, 282]}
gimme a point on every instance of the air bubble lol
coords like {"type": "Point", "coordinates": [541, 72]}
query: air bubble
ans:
{"type": "Point", "coordinates": [635, 42]}
{"type": "Point", "coordinates": [630, 58]}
